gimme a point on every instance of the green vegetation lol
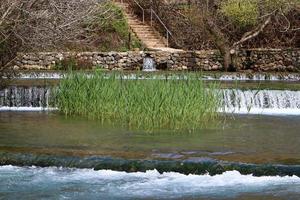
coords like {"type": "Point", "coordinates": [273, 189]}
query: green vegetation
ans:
{"type": "Point", "coordinates": [115, 31]}
{"type": "Point", "coordinates": [241, 12]}
{"type": "Point", "coordinates": [248, 13]}
{"type": "Point", "coordinates": [141, 104]}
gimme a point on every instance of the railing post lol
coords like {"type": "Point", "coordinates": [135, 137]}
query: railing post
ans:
{"type": "Point", "coordinates": [167, 38]}
{"type": "Point", "coordinates": [151, 11]}
{"type": "Point", "coordinates": [143, 16]}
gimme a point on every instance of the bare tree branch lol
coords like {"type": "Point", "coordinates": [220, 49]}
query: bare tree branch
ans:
{"type": "Point", "coordinates": [251, 34]}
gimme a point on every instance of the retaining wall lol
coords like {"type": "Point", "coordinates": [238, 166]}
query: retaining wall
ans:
{"type": "Point", "coordinates": [255, 59]}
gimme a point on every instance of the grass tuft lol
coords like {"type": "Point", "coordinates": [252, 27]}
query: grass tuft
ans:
{"type": "Point", "coordinates": [140, 104]}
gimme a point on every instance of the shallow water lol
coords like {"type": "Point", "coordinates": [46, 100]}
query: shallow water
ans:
{"type": "Point", "coordinates": [246, 138]}
{"type": "Point", "coordinates": [63, 183]}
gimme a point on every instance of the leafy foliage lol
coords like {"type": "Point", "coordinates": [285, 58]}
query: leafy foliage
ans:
{"type": "Point", "coordinates": [241, 12]}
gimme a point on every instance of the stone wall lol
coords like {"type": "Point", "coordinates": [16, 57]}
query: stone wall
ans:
{"type": "Point", "coordinates": [269, 60]}
{"type": "Point", "coordinates": [256, 60]}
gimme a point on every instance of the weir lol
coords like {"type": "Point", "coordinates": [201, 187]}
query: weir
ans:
{"type": "Point", "coordinates": [149, 65]}
{"type": "Point", "coordinates": [234, 100]}
{"type": "Point", "coordinates": [30, 97]}
{"type": "Point", "coordinates": [261, 101]}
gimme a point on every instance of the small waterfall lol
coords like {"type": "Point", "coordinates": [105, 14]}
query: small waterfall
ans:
{"type": "Point", "coordinates": [24, 98]}
{"type": "Point", "coordinates": [256, 77]}
{"type": "Point", "coordinates": [149, 64]}
{"type": "Point", "coordinates": [234, 100]}
{"type": "Point", "coordinates": [262, 101]}
{"type": "Point", "coordinates": [41, 75]}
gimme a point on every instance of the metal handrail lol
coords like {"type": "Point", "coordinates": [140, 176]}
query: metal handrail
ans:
{"type": "Point", "coordinates": [143, 10]}
{"type": "Point", "coordinates": [169, 33]}
{"type": "Point", "coordinates": [139, 5]}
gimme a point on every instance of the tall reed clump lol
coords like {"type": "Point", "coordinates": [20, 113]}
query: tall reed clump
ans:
{"type": "Point", "coordinates": [142, 104]}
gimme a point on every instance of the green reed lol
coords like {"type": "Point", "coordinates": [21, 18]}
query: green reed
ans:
{"type": "Point", "coordinates": [186, 103]}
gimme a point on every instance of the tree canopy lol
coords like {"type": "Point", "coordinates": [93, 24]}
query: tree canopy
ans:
{"type": "Point", "coordinates": [251, 12]}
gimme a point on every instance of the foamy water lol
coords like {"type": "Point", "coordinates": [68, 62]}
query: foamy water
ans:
{"type": "Point", "coordinates": [60, 183]}
{"type": "Point", "coordinates": [150, 66]}
{"type": "Point", "coordinates": [26, 109]}
{"type": "Point", "coordinates": [266, 102]}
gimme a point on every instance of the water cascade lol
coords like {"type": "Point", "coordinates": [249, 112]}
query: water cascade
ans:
{"type": "Point", "coordinates": [234, 100]}
{"type": "Point", "coordinates": [25, 98]}
{"type": "Point", "coordinates": [149, 64]}
{"type": "Point", "coordinates": [262, 101]}
{"type": "Point", "coordinates": [256, 77]}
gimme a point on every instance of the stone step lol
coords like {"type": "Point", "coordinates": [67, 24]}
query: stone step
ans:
{"type": "Point", "coordinates": [144, 32]}
{"type": "Point", "coordinates": [135, 22]}
{"type": "Point", "coordinates": [150, 38]}
{"type": "Point", "coordinates": [148, 33]}
{"type": "Point", "coordinates": [155, 44]}
{"type": "Point", "coordinates": [154, 37]}
{"type": "Point", "coordinates": [142, 26]}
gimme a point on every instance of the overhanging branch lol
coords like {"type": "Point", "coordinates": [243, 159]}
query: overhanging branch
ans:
{"type": "Point", "coordinates": [252, 34]}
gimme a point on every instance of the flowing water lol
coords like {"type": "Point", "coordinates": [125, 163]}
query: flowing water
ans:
{"type": "Point", "coordinates": [149, 64]}
{"type": "Point", "coordinates": [58, 183]}
{"type": "Point", "coordinates": [269, 143]}
{"type": "Point", "coordinates": [234, 100]}
{"type": "Point", "coordinates": [262, 101]}
{"type": "Point", "coordinates": [45, 155]}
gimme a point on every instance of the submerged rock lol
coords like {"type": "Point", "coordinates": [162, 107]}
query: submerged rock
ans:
{"type": "Point", "coordinates": [192, 166]}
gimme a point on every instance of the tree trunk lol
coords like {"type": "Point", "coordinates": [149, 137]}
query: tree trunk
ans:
{"type": "Point", "coordinates": [221, 42]}
{"type": "Point", "coordinates": [227, 61]}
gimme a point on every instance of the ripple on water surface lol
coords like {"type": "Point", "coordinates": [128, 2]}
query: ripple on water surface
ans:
{"type": "Point", "coordinates": [61, 183]}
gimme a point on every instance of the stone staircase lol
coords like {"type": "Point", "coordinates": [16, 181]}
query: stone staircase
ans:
{"type": "Point", "coordinates": [150, 38]}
